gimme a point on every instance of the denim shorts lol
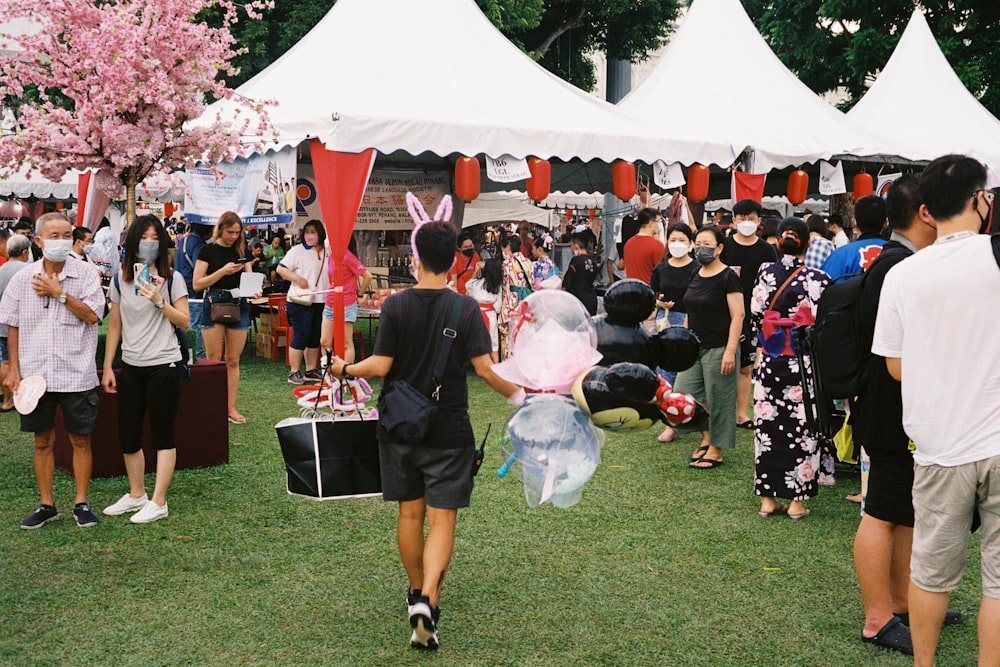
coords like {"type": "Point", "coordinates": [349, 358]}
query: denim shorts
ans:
{"type": "Point", "coordinates": [350, 313]}
{"type": "Point", "coordinates": [4, 353]}
{"type": "Point", "coordinates": [206, 316]}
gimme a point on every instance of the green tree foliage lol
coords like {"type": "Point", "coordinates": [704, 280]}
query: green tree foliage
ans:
{"type": "Point", "coordinates": [833, 43]}
{"type": "Point", "coordinates": [557, 33]}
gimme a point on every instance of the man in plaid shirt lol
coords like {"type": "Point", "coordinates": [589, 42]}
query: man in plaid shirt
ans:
{"type": "Point", "coordinates": [52, 309]}
{"type": "Point", "coordinates": [820, 247]}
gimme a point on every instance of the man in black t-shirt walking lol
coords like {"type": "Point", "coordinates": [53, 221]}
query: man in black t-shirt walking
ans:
{"type": "Point", "coordinates": [745, 252]}
{"type": "Point", "coordinates": [431, 479]}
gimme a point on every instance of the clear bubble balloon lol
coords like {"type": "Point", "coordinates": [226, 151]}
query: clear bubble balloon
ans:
{"type": "Point", "coordinates": [551, 444]}
{"type": "Point", "coordinates": [552, 341]}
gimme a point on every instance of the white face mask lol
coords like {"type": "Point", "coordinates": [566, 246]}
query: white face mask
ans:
{"type": "Point", "coordinates": [746, 228]}
{"type": "Point", "coordinates": [679, 249]}
{"type": "Point", "coordinates": [57, 250]}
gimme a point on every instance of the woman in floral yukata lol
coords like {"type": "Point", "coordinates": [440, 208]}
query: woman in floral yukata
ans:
{"type": "Point", "coordinates": [788, 463]}
{"type": "Point", "coordinates": [516, 286]}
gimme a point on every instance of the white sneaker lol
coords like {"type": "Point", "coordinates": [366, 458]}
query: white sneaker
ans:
{"type": "Point", "coordinates": [150, 512]}
{"type": "Point", "coordinates": [126, 504]}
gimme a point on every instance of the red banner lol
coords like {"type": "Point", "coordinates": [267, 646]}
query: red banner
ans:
{"type": "Point", "coordinates": [340, 183]}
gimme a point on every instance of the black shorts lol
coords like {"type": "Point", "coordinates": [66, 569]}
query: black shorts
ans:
{"type": "Point", "coordinates": [79, 410]}
{"type": "Point", "coordinates": [442, 477]}
{"type": "Point", "coordinates": [890, 487]}
{"type": "Point", "coordinates": [748, 354]}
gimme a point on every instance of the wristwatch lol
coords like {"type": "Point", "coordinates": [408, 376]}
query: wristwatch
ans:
{"type": "Point", "coordinates": [161, 305]}
{"type": "Point", "coordinates": [62, 297]}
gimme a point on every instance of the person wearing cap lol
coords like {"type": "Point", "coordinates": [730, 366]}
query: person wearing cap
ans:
{"type": "Point", "coordinates": [52, 310]}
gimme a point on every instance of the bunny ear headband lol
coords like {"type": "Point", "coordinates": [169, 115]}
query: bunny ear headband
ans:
{"type": "Point", "coordinates": [420, 218]}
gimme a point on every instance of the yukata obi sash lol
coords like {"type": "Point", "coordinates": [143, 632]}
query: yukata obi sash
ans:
{"type": "Point", "coordinates": [776, 331]}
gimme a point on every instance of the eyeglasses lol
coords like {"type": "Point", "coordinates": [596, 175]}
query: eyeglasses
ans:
{"type": "Point", "coordinates": [989, 194]}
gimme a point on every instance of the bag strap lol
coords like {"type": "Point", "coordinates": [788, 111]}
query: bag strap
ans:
{"type": "Point", "coordinates": [448, 334]}
{"type": "Point", "coordinates": [322, 262]}
{"type": "Point", "coordinates": [527, 278]}
{"type": "Point", "coordinates": [781, 289]}
{"type": "Point", "coordinates": [184, 250]}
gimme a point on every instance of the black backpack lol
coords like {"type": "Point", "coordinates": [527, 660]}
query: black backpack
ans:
{"type": "Point", "coordinates": [837, 349]}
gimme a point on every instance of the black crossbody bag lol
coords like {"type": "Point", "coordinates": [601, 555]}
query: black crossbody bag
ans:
{"type": "Point", "coordinates": [405, 412]}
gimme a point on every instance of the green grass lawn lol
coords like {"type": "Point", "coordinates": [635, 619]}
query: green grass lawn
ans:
{"type": "Point", "coordinates": [657, 565]}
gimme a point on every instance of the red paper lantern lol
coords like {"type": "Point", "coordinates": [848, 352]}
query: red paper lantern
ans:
{"type": "Point", "coordinates": [541, 179]}
{"type": "Point", "coordinates": [697, 181]}
{"type": "Point", "coordinates": [168, 210]}
{"type": "Point", "coordinates": [798, 186]}
{"type": "Point", "coordinates": [623, 178]}
{"type": "Point", "coordinates": [467, 178]}
{"type": "Point", "coordinates": [10, 209]}
{"type": "Point", "coordinates": [863, 185]}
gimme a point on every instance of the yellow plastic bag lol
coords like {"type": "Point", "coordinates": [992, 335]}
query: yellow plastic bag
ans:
{"type": "Point", "coordinates": [844, 440]}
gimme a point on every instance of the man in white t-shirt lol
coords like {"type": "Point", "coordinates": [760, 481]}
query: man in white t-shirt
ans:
{"type": "Point", "coordinates": [937, 324]}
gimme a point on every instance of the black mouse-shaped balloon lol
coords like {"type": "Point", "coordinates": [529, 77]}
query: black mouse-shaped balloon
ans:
{"type": "Point", "coordinates": [632, 397]}
{"type": "Point", "coordinates": [620, 336]}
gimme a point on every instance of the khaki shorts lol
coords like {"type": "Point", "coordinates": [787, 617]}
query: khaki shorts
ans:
{"type": "Point", "coordinates": [944, 499]}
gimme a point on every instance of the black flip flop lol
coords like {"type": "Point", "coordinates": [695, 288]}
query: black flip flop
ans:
{"type": "Point", "coordinates": [748, 424]}
{"type": "Point", "coordinates": [703, 448]}
{"type": "Point", "coordinates": [712, 463]}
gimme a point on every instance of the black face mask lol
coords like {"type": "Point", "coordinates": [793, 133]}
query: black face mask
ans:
{"type": "Point", "coordinates": [470, 252]}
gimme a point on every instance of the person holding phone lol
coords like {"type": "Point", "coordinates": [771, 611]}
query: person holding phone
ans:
{"type": "Point", "coordinates": [145, 308]}
{"type": "Point", "coordinates": [218, 269]}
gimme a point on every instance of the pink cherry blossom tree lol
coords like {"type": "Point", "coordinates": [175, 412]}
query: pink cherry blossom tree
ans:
{"type": "Point", "coordinates": [115, 85]}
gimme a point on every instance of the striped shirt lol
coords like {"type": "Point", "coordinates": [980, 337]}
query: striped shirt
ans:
{"type": "Point", "coordinates": [52, 341]}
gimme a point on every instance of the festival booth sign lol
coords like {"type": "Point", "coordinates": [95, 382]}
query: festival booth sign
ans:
{"type": "Point", "coordinates": [383, 204]}
{"type": "Point", "coordinates": [259, 188]}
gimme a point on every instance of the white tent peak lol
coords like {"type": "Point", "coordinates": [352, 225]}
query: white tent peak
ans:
{"type": "Point", "coordinates": [398, 75]}
{"type": "Point", "coordinates": [919, 102]}
{"type": "Point", "coordinates": [744, 94]}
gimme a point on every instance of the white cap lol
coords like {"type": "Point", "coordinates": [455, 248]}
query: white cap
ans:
{"type": "Point", "coordinates": [28, 392]}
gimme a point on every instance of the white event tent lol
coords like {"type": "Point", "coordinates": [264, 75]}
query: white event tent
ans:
{"type": "Point", "coordinates": [496, 207]}
{"type": "Point", "coordinates": [414, 78]}
{"type": "Point", "coordinates": [745, 95]}
{"type": "Point", "coordinates": [919, 102]}
{"type": "Point", "coordinates": [29, 182]}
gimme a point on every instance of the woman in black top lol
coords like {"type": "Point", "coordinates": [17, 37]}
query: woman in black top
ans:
{"type": "Point", "coordinates": [579, 278]}
{"type": "Point", "coordinates": [218, 269]}
{"type": "Point", "coordinates": [669, 281]}
{"type": "Point", "coordinates": [714, 302]}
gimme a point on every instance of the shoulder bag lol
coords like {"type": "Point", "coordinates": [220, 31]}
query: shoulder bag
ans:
{"type": "Point", "coordinates": [303, 295]}
{"type": "Point", "coordinates": [405, 412]}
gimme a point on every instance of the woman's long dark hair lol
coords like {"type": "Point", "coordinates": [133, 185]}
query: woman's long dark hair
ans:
{"type": "Point", "coordinates": [132, 238]}
{"type": "Point", "coordinates": [493, 275]}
